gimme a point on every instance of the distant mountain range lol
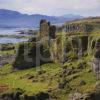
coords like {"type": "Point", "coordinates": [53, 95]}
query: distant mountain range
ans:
{"type": "Point", "coordinates": [9, 18]}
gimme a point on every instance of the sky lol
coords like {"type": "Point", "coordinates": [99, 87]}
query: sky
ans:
{"type": "Point", "coordinates": [53, 7]}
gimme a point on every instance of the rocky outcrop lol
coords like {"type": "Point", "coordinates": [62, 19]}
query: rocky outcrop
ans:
{"type": "Point", "coordinates": [61, 50]}
{"type": "Point", "coordinates": [96, 60]}
{"type": "Point", "coordinates": [78, 28]}
{"type": "Point", "coordinates": [5, 47]}
{"type": "Point", "coordinates": [66, 48]}
{"type": "Point", "coordinates": [37, 50]}
{"type": "Point", "coordinates": [86, 96]}
{"type": "Point", "coordinates": [92, 95]}
{"type": "Point", "coordinates": [31, 54]}
{"type": "Point", "coordinates": [20, 96]}
{"type": "Point", "coordinates": [56, 47]}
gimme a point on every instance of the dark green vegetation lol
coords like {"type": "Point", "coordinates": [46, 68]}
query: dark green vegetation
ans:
{"type": "Point", "coordinates": [7, 53]}
{"type": "Point", "coordinates": [7, 47]}
{"type": "Point", "coordinates": [67, 75]}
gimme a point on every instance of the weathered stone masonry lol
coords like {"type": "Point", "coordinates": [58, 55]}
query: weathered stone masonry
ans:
{"type": "Point", "coordinates": [46, 30]}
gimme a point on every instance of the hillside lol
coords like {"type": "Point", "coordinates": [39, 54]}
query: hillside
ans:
{"type": "Point", "coordinates": [86, 20]}
{"type": "Point", "coordinates": [89, 25]}
{"type": "Point", "coordinates": [10, 18]}
{"type": "Point", "coordinates": [71, 74]}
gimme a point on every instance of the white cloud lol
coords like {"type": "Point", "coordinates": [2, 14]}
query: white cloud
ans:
{"type": "Point", "coordinates": [53, 7]}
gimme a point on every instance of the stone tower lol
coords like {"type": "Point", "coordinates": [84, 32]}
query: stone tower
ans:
{"type": "Point", "coordinates": [46, 30]}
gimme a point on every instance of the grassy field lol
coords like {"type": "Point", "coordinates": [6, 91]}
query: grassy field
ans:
{"type": "Point", "coordinates": [48, 80]}
{"type": "Point", "coordinates": [12, 79]}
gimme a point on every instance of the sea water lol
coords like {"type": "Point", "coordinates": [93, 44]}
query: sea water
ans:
{"type": "Point", "coordinates": [10, 31]}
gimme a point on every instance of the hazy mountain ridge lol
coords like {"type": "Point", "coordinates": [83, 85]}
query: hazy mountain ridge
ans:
{"type": "Point", "coordinates": [9, 18]}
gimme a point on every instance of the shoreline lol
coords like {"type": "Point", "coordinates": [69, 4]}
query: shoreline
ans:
{"type": "Point", "coordinates": [14, 36]}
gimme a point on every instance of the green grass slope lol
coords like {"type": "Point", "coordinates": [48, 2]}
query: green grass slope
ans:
{"type": "Point", "coordinates": [33, 81]}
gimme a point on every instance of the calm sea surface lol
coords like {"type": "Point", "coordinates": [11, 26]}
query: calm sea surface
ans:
{"type": "Point", "coordinates": [10, 31]}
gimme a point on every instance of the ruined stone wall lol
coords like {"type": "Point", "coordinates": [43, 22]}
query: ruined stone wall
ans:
{"type": "Point", "coordinates": [60, 48]}
{"type": "Point", "coordinates": [52, 32]}
{"type": "Point", "coordinates": [32, 54]}
{"type": "Point", "coordinates": [94, 49]}
{"type": "Point", "coordinates": [47, 30]}
{"type": "Point", "coordinates": [78, 28]}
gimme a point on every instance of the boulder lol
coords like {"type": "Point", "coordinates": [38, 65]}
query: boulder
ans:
{"type": "Point", "coordinates": [82, 82]}
{"type": "Point", "coordinates": [97, 86]}
{"type": "Point", "coordinates": [62, 83]}
{"type": "Point", "coordinates": [27, 76]}
{"type": "Point", "coordinates": [42, 96]}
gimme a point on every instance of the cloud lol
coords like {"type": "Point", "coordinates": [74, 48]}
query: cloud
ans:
{"type": "Point", "coordinates": [53, 7]}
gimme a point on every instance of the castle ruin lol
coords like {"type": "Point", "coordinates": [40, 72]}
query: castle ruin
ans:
{"type": "Point", "coordinates": [47, 30]}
